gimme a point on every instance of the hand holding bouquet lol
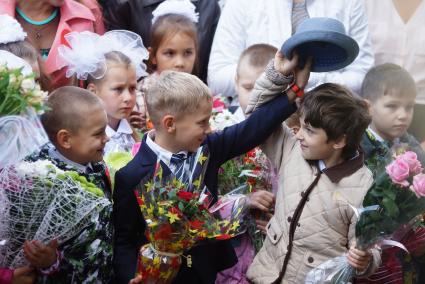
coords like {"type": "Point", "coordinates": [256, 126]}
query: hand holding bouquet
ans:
{"type": "Point", "coordinates": [392, 204]}
{"type": "Point", "coordinates": [40, 202]}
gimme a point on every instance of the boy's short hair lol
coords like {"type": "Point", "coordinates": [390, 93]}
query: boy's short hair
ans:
{"type": "Point", "coordinates": [66, 109]}
{"type": "Point", "coordinates": [384, 78]}
{"type": "Point", "coordinates": [334, 109]}
{"type": "Point", "coordinates": [258, 55]}
{"type": "Point", "coordinates": [175, 93]}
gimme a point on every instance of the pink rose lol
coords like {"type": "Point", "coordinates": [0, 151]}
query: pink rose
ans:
{"type": "Point", "coordinates": [398, 171]}
{"type": "Point", "coordinates": [418, 185]}
{"type": "Point", "coordinates": [411, 159]}
{"type": "Point", "coordinates": [218, 104]}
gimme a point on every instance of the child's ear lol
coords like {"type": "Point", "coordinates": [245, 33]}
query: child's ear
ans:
{"type": "Point", "coordinates": [92, 88]}
{"type": "Point", "coordinates": [168, 122]}
{"type": "Point", "coordinates": [64, 139]}
{"type": "Point", "coordinates": [368, 104]}
{"type": "Point", "coordinates": [340, 143]}
{"type": "Point", "coordinates": [151, 55]}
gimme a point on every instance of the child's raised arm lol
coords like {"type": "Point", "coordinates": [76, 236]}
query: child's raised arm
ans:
{"type": "Point", "coordinates": [280, 73]}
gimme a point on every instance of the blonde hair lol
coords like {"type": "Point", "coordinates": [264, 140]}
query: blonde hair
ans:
{"type": "Point", "coordinates": [257, 56]}
{"type": "Point", "coordinates": [175, 93]}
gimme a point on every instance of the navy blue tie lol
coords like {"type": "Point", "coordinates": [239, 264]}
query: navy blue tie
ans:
{"type": "Point", "coordinates": [177, 160]}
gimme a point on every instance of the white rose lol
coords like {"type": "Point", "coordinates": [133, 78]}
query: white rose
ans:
{"type": "Point", "coordinates": [28, 84]}
{"type": "Point", "coordinates": [12, 79]}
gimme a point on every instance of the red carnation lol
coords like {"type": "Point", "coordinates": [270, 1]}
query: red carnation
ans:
{"type": "Point", "coordinates": [185, 195]}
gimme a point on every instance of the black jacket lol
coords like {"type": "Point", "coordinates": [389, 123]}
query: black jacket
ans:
{"type": "Point", "coordinates": [224, 145]}
{"type": "Point", "coordinates": [136, 16]}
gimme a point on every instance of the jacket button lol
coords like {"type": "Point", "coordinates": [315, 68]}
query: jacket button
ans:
{"type": "Point", "coordinates": [310, 259]}
{"type": "Point", "coordinates": [268, 227]}
{"type": "Point", "coordinates": [299, 225]}
{"type": "Point", "coordinates": [275, 237]}
{"type": "Point", "coordinates": [302, 193]}
{"type": "Point", "coordinates": [289, 219]}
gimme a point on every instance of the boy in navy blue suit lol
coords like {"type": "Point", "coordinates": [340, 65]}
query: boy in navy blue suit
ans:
{"type": "Point", "coordinates": [180, 107]}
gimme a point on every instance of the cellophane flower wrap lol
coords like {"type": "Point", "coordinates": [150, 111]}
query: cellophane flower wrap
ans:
{"type": "Point", "coordinates": [242, 175]}
{"type": "Point", "coordinates": [178, 217]}
{"type": "Point", "coordinates": [21, 99]}
{"type": "Point", "coordinates": [391, 207]}
{"type": "Point", "coordinates": [38, 201]}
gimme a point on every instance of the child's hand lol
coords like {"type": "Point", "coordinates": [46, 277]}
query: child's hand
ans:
{"type": "Point", "coordinates": [138, 120]}
{"type": "Point", "coordinates": [137, 280]}
{"type": "Point", "coordinates": [262, 200]}
{"type": "Point", "coordinates": [302, 75]}
{"type": "Point", "coordinates": [262, 222]}
{"type": "Point", "coordinates": [23, 275]}
{"type": "Point", "coordinates": [359, 259]}
{"type": "Point", "coordinates": [39, 255]}
{"type": "Point", "coordinates": [283, 65]}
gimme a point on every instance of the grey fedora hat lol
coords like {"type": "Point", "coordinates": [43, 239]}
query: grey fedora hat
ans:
{"type": "Point", "coordinates": [326, 41]}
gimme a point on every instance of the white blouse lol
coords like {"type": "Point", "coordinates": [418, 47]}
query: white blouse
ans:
{"type": "Point", "coordinates": [398, 42]}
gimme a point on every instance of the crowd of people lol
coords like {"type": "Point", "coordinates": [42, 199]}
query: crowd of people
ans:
{"type": "Point", "coordinates": [146, 76]}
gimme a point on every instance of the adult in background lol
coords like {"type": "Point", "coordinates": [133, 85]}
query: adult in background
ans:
{"type": "Point", "coordinates": [397, 37]}
{"type": "Point", "coordinates": [247, 22]}
{"type": "Point", "coordinates": [46, 22]}
{"type": "Point", "coordinates": [136, 16]}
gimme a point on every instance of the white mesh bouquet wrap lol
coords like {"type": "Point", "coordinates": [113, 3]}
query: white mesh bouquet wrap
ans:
{"type": "Point", "coordinates": [20, 135]}
{"type": "Point", "coordinates": [84, 54]}
{"type": "Point", "coordinates": [179, 7]}
{"type": "Point", "coordinates": [39, 201]}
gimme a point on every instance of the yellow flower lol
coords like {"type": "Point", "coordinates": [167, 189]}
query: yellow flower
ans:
{"type": "Point", "coordinates": [202, 158]}
{"type": "Point", "coordinates": [173, 217]}
{"type": "Point", "coordinates": [149, 186]}
{"type": "Point", "coordinates": [235, 225]}
{"type": "Point", "coordinates": [165, 274]}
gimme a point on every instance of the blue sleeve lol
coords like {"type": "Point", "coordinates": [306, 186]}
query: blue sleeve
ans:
{"type": "Point", "coordinates": [243, 137]}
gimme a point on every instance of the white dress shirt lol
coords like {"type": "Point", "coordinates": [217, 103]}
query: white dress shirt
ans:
{"type": "Point", "coordinates": [120, 140]}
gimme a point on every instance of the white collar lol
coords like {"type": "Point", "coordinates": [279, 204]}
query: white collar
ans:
{"type": "Point", "coordinates": [376, 135]}
{"type": "Point", "coordinates": [380, 139]}
{"type": "Point", "coordinates": [322, 166]}
{"type": "Point", "coordinates": [123, 128]}
{"type": "Point", "coordinates": [54, 153]}
{"type": "Point", "coordinates": [240, 116]}
{"type": "Point", "coordinates": [163, 154]}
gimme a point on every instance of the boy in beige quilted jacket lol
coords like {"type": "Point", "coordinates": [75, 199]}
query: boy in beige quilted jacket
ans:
{"type": "Point", "coordinates": [321, 170]}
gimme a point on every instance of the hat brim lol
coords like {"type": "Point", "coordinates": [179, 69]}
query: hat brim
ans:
{"type": "Point", "coordinates": [330, 50]}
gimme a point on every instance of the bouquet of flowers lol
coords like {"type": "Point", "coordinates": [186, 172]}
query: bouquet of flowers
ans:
{"type": "Point", "coordinates": [391, 206]}
{"type": "Point", "coordinates": [177, 218]}
{"type": "Point", "coordinates": [39, 201]}
{"type": "Point", "coordinates": [20, 100]}
{"type": "Point", "coordinates": [241, 175]}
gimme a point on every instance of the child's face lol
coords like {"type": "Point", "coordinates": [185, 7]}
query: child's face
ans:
{"type": "Point", "coordinates": [88, 143]}
{"type": "Point", "coordinates": [314, 143]}
{"type": "Point", "coordinates": [191, 129]}
{"type": "Point", "coordinates": [392, 114]}
{"type": "Point", "coordinates": [176, 52]}
{"type": "Point", "coordinates": [118, 91]}
{"type": "Point", "coordinates": [245, 81]}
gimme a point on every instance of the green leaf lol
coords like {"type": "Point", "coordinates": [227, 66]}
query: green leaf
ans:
{"type": "Point", "coordinates": [390, 207]}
